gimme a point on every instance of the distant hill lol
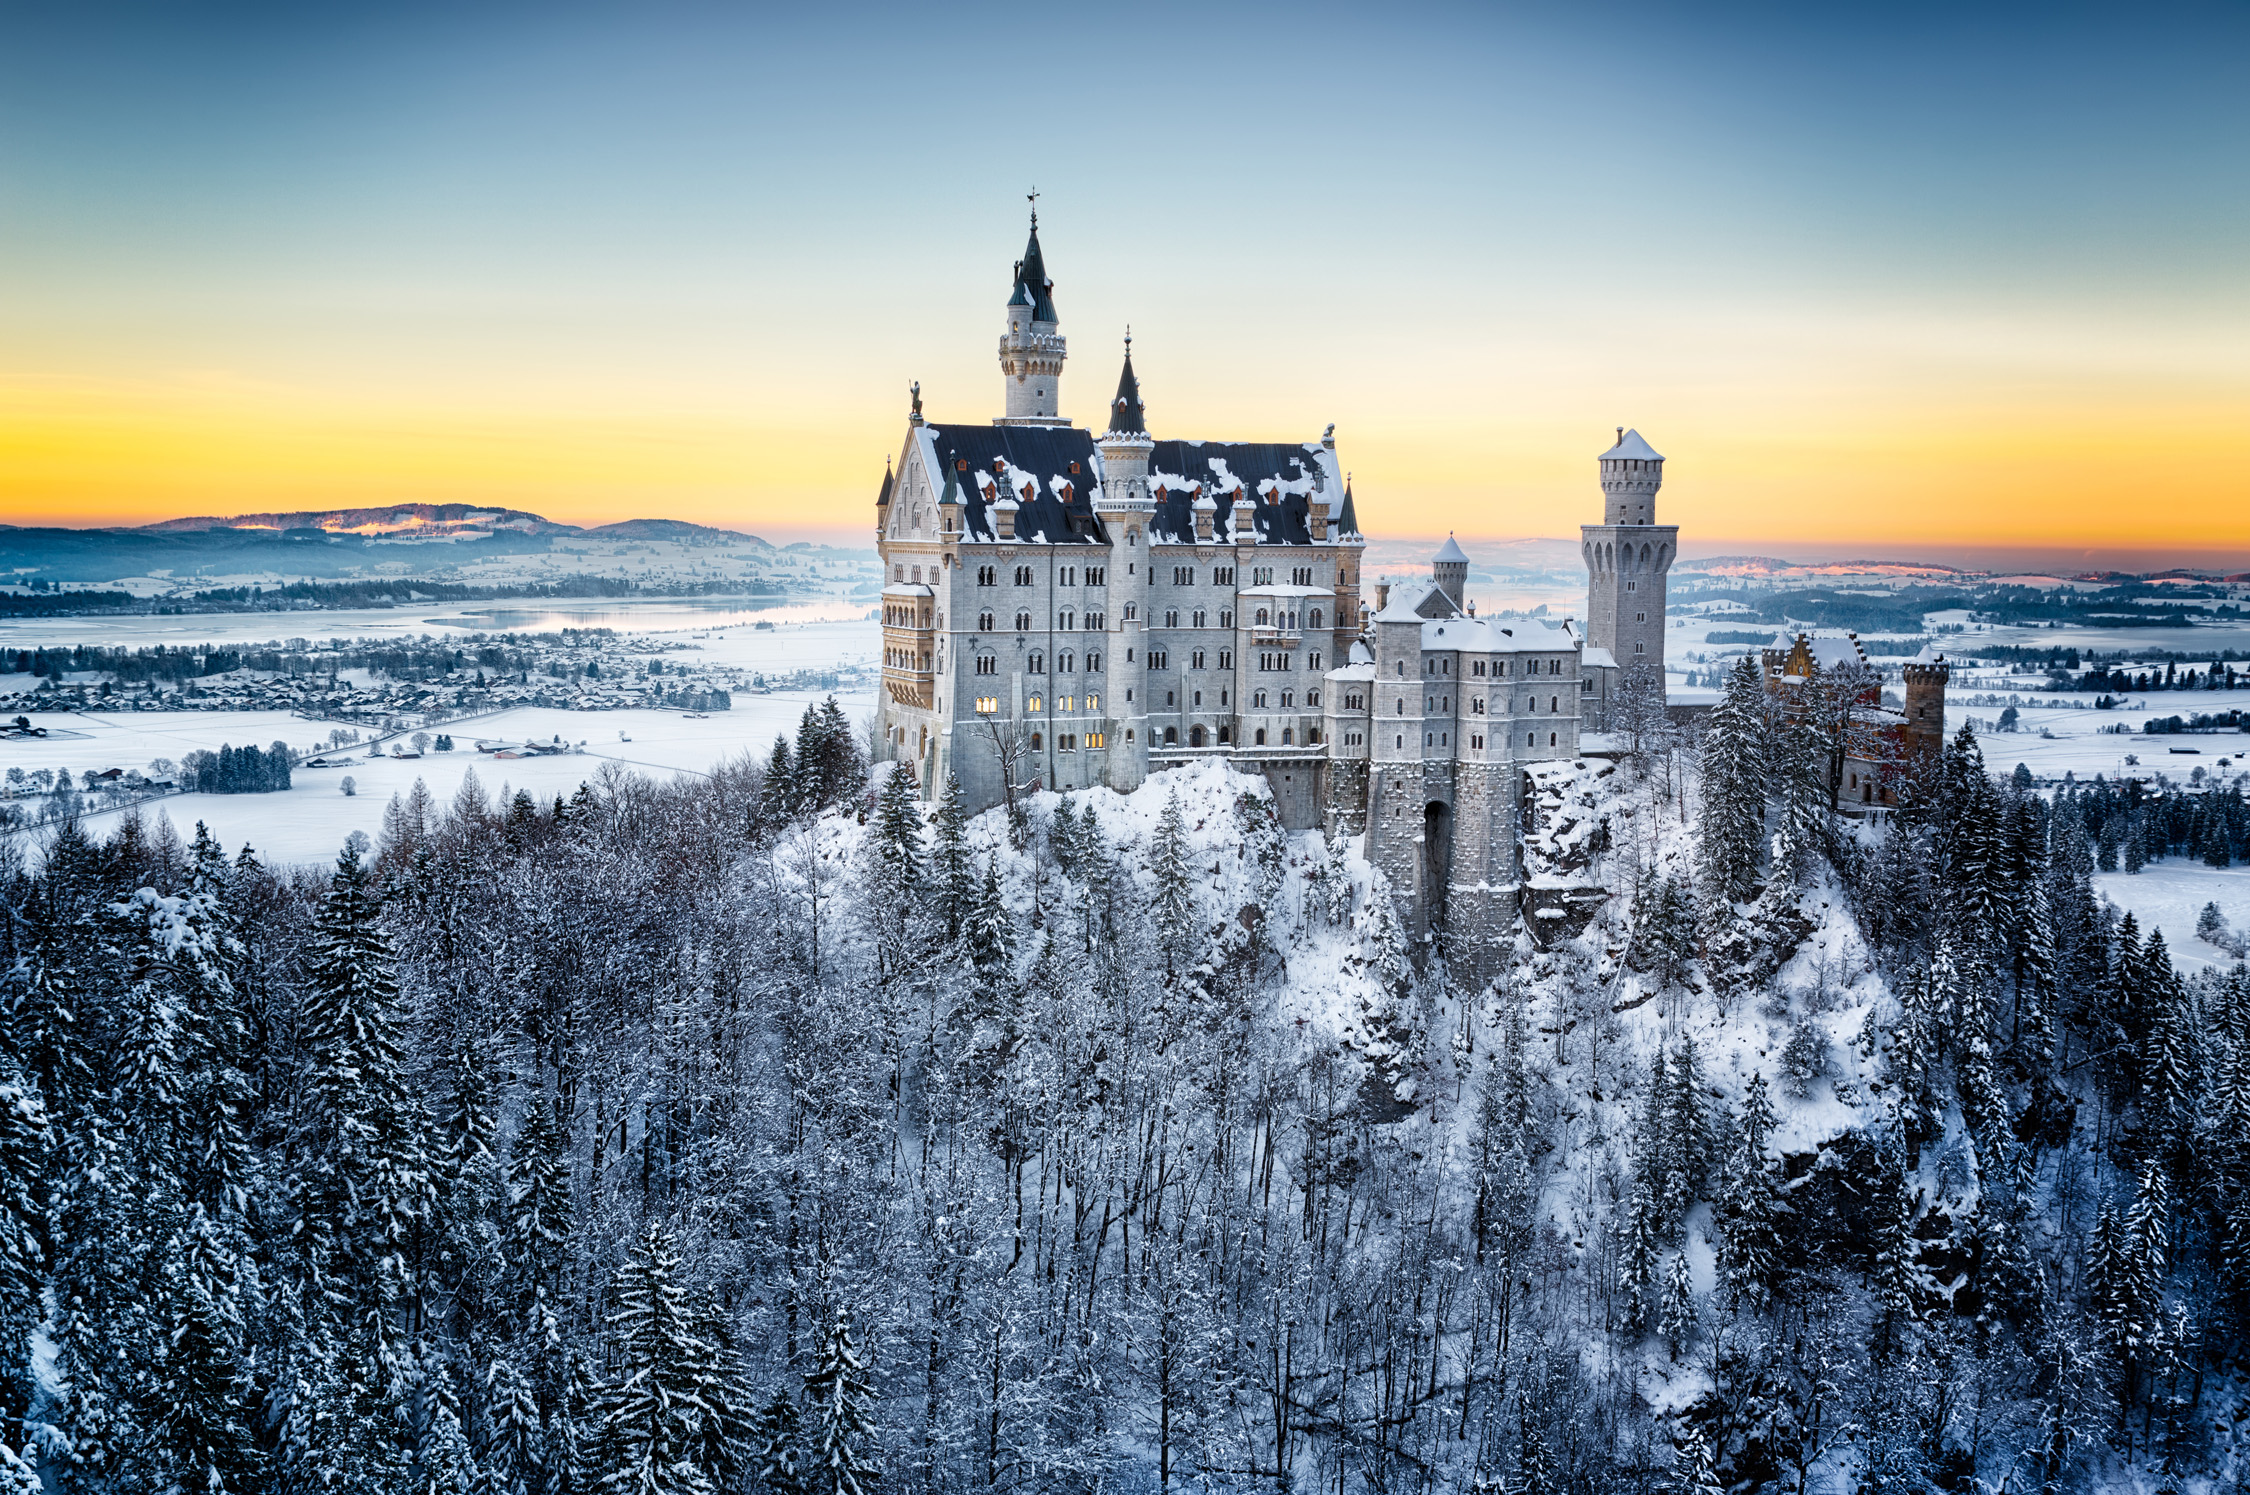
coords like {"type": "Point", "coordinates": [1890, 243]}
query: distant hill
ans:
{"type": "Point", "coordinates": [1767, 565]}
{"type": "Point", "coordinates": [394, 521]}
{"type": "Point", "coordinates": [670, 529]}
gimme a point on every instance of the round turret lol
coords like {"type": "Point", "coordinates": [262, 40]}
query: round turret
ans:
{"type": "Point", "coordinates": [1632, 471]}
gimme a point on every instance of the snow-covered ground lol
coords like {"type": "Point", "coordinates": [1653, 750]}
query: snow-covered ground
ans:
{"type": "Point", "coordinates": [836, 624]}
{"type": "Point", "coordinates": [2167, 895]}
{"type": "Point", "coordinates": [309, 821]}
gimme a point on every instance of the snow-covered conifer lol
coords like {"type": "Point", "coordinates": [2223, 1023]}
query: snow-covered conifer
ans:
{"type": "Point", "coordinates": [843, 1416]}
{"type": "Point", "coordinates": [1172, 916]}
{"type": "Point", "coordinates": [1734, 787]}
{"type": "Point", "coordinates": [651, 1415]}
{"type": "Point", "coordinates": [1676, 1315]}
{"type": "Point", "coordinates": [952, 872]}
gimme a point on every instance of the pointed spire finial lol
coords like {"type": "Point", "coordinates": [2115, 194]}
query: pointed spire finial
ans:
{"type": "Point", "coordinates": [1032, 197]}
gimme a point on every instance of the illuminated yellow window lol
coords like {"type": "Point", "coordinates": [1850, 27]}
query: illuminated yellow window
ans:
{"type": "Point", "coordinates": [1067, 702]}
{"type": "Point", "coordinates": [1032, 704]}
{"type": "Point", "coordinates": [986, 705]}
{"type": "Point", "coordinates": [1093, 702]}
{"type": "Point", "coordinates": [1093, 739]}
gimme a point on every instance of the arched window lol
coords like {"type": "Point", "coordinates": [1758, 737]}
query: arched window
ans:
{"type": "Point", "coordinates": [1171, 736]}
{"type": "Point", "coordinates": [1550, 739]}
{"type": "Point", "coordinates": [1037, 664]}
{"type": "Point", "coordinates": [1223, 736]}
{"type": "Point", "coordinates": [1313, 619]}
{"type": "Point", "coordinates": [1261, 738]}
{"type": "Point", "coordinates": [1261, 616]}
{"type": "Point", "coordinates": [1312, 735]}
{"type": "Point", "coordinates": [1062, 663]}
{"type": "Point", "coordinates": [1037, 742]}
{"type": "Point", "coordinates": [1286, 733]}
{"type": "Point", "coordinates": [984, 622]}
{"type": "Point", "coordinates": [1195, 737]}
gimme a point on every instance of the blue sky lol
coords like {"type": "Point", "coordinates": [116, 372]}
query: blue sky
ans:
{"type": "Point", "coordinates": [1971, 268]}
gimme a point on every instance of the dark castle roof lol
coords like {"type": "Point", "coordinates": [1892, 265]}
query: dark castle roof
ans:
{"type": "Point", "coordinates": [1347, 522]}
{"type": "Point", "coordinates": [1032, 284]}
{"type": "Point", "coordinates": [884, 497]}
{"type": "Point", "coordinates": [1050, 458]}
{"type": "Point", "coordinates": [1125, 415]}
{"type": "Point", "coordinates": [1280, 477]}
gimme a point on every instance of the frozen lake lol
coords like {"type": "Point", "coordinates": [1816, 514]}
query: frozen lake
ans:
{"type": "Point", "coordinates": [309, 821]}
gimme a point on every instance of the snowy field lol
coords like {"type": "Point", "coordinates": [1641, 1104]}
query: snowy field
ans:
{"type": "Point", "coordinates": [310, 820]}
{"type": "Point", "coordinates": [2167, 895]}
{"type": "Point", "coordinates": [796, 627]}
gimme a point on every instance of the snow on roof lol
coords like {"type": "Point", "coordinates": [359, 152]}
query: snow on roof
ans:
{"type": "Point", "coordinates": [1929, 655]}
{"type": "Point", "coordinates": [1360, 653]}
{"type": "Point", "coordinates": [1487, 636]}
{"type": "Point", "coordinates": [1598, 659]}
{"type": "Point", "coordinates": [1283, 589]}
{"type": "Point", "coordinates": [1630, 447]}
{"type": "Point", "coordinates": [1357, 670]}
{"type": "Point", "coordinates": [1451, 552]}
{"type": "Point", "coordinates": [1404, 606]}
{"type": "Point", "coordinates": [1834, 651]}
{"type": "Point", "coordinates": [907, 589]}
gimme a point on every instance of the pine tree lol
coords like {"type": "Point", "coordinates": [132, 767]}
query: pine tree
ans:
{"type": "Point", "coordinates": [778, 1460]}
{"type": "Point", "coordinates": [898, 830]}
{"type": "Point", "coordinates": [1734, 787]}
{"type": "Point", "coordinates": [1677, 1317]}
{"type": "Point", "coordinates": [778, 797]}
{"type": "Point", "coordinates": [1172, 917]}
{"type": "Point", "coordinates": [1643, 1249]}
{"type": "Point", "coordinates": [2145, 1260]}
{"type": "Point", "coordinates": [1695, 1469]}
{"type": "Point", "coordinates": [1535, 1466]}
{"type": "Point", "coordinates": [1750, 1216]}
{"type": "Point", "coordinates": [362, 1180]}
{"type": "Point", "coordinates": [842, 1402]}
{"type": "Point", "coordinates": [950, 867]}
{"type": "Point", "coordinates": [27, 1145]}
{"type": "Point", "coordinates": [1896, 1262]}
{"type": "Point", "coordinates": [651, 1438]}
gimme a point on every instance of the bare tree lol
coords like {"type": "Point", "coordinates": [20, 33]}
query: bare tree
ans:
{"type": "Point", "coordinates": [1011, 749]}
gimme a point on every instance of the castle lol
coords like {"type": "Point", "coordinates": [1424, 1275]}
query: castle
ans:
{"type": "Point", "coordinates": [1874, 747]}
{"type": "Point", "coordinates": [1063, 609]}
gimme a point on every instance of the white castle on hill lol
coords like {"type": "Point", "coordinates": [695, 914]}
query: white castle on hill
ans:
{"type": "Point", "coordinates": [1064, 609]}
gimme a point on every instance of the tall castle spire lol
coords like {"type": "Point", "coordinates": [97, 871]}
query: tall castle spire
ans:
{"type": "Point", "coordinates": [1031, 350]}
{"type": "Point", "coordinates": [1125, 417]}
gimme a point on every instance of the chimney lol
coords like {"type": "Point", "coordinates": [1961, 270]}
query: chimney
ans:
{"type": "Point", "coordinates": [1004, 519]}
{"type": "Point", "coordinates": [1382, 595]}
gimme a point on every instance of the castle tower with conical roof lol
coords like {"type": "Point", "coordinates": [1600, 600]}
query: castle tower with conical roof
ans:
{"type": "Point", "coordinates": [1627, 558]}
{"type": "Point", "coordinates": [1031, 350]}
{"type": "Point", "coordinates": [1126, 507]}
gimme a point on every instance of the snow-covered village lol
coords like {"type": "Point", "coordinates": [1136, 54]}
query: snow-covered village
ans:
{"type": "Point", "coordinates": [1563, 809]}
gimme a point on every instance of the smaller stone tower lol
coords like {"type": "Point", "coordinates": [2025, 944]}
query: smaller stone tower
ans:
{"type": "Point", "coordinates": [1926, 675]}
{"type": "Point", "coordinates": [1449, 568]}
{"type": "Point", "coordinates": [1031, 350]}
{"type": "Point", "coordinates": [1125, 506]}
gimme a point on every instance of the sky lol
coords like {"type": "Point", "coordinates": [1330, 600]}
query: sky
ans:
{"type": "Point", "coordinates": [1924, 282]}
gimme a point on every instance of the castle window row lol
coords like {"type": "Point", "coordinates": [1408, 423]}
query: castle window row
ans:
{"type": "Point", "coordinates": [1025, 576]}
{"type": "Point", "coordinates": [1065, 663]}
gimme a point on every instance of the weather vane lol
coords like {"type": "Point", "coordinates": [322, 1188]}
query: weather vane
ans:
{"type": "Point", "coordinates": [1032, 197]}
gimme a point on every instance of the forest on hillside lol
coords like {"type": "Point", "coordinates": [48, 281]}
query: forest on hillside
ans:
{"type": "Point", "coordinates": [782, 1132]}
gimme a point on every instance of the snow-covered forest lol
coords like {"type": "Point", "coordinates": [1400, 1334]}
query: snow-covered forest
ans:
{"type": "Point", "coordinates": [778, 1132]}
